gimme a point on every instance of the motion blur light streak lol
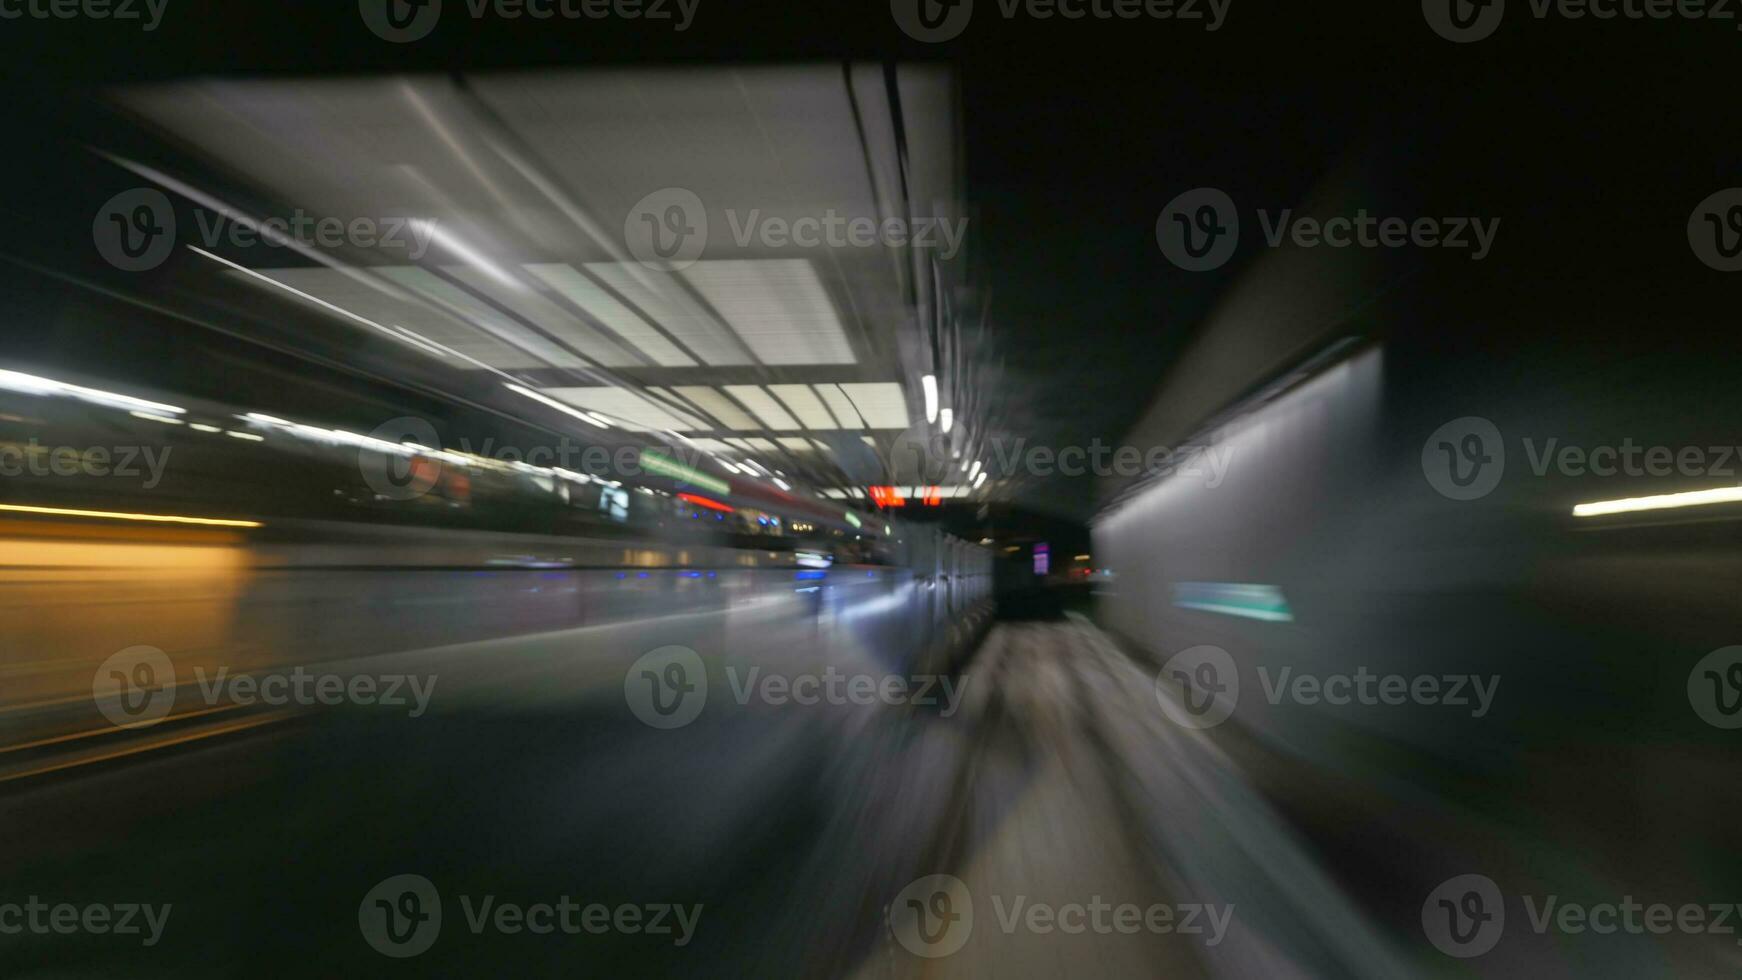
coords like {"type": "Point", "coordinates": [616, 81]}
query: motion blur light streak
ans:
{"type": "Point", "coordinates": [1166, 572]}
{"type": "Point", "coordinates": [568, 410]}
{"type": "Point", "coordinates": [116, 516]}
{"type": "Point", "coordinates": [1263, 602]}
{"type": "Point", "coordinates": [31, 385]}
{"type": "Point", "coordinates": [1669, 501]}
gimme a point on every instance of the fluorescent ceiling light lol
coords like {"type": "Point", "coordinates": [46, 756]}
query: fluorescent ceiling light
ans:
{"type": "Point", "coordinates": [777, 306]}
{"type": "Point", "coordinates": [765, 407]}
{"type": "Point", "coordinates": [719, 406]}
{"type": "Point", "coordinates": [605, 308]}
{"type": "Point", "coordinates": [929, 384]}
{"type": "Point", "coordinates": [482, 316]}
{"type": "Point", "coordinates": [674, 310]}
{"type": "Point", "coordinates": [1668, 501]}
{"type": "Point", "coordinates": [805, 404]}
{"type": "Point", "coordinates": [553, 403]}
{"type": "Point", "coordinates": [434, 232]}
{"type": "Point", "coordinates": [974, 470]}
{"type": "Point", "coordinates": [536, 308]}
{"type": "Point", "coordinates": [841, 406]}
{"type": "Point", "coordinates": [631, 407]}
{"type": "Point", "coordinates": [979, 480]}
{"type": "Point", "coordinates": [882, 404]}
{"type": "Point", "coordinates": [358, 297]}
{"type": "Point", "coordinates": [946, 420]}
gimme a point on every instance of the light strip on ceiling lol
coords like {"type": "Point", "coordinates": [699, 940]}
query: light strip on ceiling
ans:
{"type": "Point", "coordinates": [778, 307]}
{"type": "Point", "coordinates": [568, 410]}
{"type": "Point", "coordinates": [719, 406]}
{"type": "Point", "coordinates": [629, 406]}
{"type": "Point", "coordinates": [535, 307]}
{"type": "Point", "coordinates": [764, 407]}
{"type": "Point", "coordinates": [805, 404]}
{"type": "Point", "coordinates": [882, 404]}
{"type": "Point", "coordinates": [620, 319]}
{"type": "Point", "coordinates": [841, 405]}
{"type": "Point", "coordinates": [672, 308]}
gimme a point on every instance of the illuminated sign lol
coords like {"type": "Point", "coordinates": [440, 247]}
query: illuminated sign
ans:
{"type": "Point", "coordinates": [704, 502]}
{"type": "Point", "coordinates": [893, 497]}
{"type": "Point", "coordinates": [1042, 559]}
{"type": "Point", "coordinates": [886, 497]}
